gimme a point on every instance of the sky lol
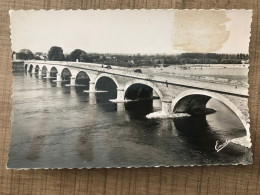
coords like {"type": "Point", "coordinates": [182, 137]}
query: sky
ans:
{"type": "Point", "coordinates": [132, 31]}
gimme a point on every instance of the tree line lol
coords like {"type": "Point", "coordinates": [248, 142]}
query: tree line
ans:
{"type": "Point", "coordinates": [56, 54]}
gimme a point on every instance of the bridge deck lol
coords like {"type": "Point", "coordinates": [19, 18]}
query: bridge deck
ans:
{"type": "Point", "coordinates": [169, 79]}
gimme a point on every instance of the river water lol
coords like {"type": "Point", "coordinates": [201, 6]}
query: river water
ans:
{"type": "Point", "coordinates": [56, 126]}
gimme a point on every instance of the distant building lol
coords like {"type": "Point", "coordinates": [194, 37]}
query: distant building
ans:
{"type": "Point", "coordinates": [41, 57]}
{"type": "Point", "coordinates": [132, 62]}
{"type": "Point", "coordinates": [14, 56]}
{"type": "Point", "coordinates": [245, 61]}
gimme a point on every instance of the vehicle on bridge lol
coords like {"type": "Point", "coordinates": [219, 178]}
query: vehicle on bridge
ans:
{"type": "Point", "coordinates": [138, 70]}
{"type": "Point", "coordinates": [108, 67]}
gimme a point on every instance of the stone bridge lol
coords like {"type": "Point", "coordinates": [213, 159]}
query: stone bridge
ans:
{"type": "Point", "coordinates": [177, 94]}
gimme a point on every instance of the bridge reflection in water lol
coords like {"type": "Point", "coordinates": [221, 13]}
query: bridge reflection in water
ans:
{"type": "Point", "coordinates": [71, 128]}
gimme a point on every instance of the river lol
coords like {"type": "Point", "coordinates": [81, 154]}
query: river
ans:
{"type": "Point", "coordinates": [55, 126]}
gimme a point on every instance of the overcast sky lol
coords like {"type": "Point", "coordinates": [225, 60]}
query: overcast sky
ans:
{"type": "Point", "coordinates": [124, 31]}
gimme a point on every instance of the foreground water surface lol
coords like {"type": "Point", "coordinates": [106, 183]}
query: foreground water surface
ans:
{"type": "Point", "coordinates": [55, 126]}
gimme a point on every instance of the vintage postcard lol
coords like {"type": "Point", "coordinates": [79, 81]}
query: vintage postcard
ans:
{"type": "Point", "coordinates": [130, 88]}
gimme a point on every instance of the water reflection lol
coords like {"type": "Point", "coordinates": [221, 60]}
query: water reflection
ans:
{"type": "Point", "coordinates": [92, 98]}
{"type": "Point", "coordinates": [139, 109]}
{"type": "Point", "coordinates": [84, 145]}
{"type": "Point", "coordinates": [37, 143]}
{"type": "Point", "coordinates": [120, 107]}
{"type": "Point", "coordinates": [103, 103]}
{"type": "Point", "coordinates": [197, 132]}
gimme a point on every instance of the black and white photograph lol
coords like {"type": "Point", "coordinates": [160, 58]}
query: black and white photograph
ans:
{"type": "Point", "coordinates": [129, 88]}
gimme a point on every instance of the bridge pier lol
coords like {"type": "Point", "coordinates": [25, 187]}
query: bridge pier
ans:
{"type": "Point", "coordinates": [166, 111]}
{"type": "Point", "coordinates": [166, 106]}
{"type": "Point", "coordinates": [72, 81]}
{"type": "Point", "coordinates": [120, 95]}
{"type": "Point", "coordinates": [39, 72]}
{"type": "Point", "coordinates": [33, 70]}
{"type": "Point", "coordinates": [92, 86]}
{"type": "Point", "coordinates": [92, 99]}
{"type": "Point", "coordinates": [48, 74]}
{"type": "Point", "coordinates": [58, 79]}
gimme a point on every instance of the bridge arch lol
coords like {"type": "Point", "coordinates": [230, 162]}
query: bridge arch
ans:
{"type": "Point", "coordinates": [66, 74]}
{"type": "Point", "coordinates": [108, 76]}
{"type": "Point", "coordinates": [53, 71]}
{"type": "Point", "coordinates": [82, 77]}
{"type": "Point", "coordinates": [37, 68]}
{"type": "Point", "coordinates": [192, 99]}
{"type": "Point", "coordinates": [30, 68]}
{"type": "Point", "coordinates": [26, 67]}
{"type": "Point", "coordinates": [143, 82]}
{"type": "Point", "coordinates": [44, 70]}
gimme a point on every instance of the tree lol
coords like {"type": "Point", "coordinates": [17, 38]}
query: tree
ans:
{"type": "Point", "coordinates": [56, 54]}
{"type": "Point", "coordinates": [74, 55]}
{"type": "Point", "coordinates": [86, 58]}
{"type": "Point", "coordinates": [67, 57]}
{"type": "Point", "coordinates": [25, 54]}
